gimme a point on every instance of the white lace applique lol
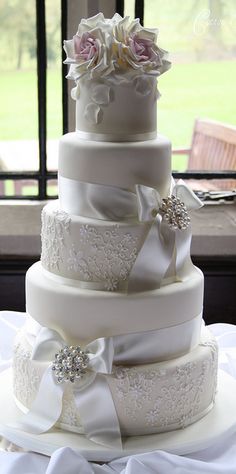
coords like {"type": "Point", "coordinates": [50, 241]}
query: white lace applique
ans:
{"type": "Point", "coordinates": [26, 378]}
{"type": "Point", "coordinates": [212, 344]}
{"type": "Point", "coordinates": [93, 113]}
{"type": "Point", "coordinates": [54, 228]}
{"type": "Point", "coordinates": [143, 85]}
{"type": "Point", "coordinates": [100, 94]}
{"type": "Point", "coordinates": [135, 388]}
{"type": "Point", "coordinates": [164, 398]}
{"type": "Point", "coordinates": [69, 411]}
{"type": "Point", "coordinates": [105, 256]}
{"type": "Point", "coordinates": [26, 382]}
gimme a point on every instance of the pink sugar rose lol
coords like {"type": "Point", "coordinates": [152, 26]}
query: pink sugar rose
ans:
{"type": "Point", "coordinates": [89, 53]}
{"type": "Point", "coordinates": [85, 47]}
{"type": "Point", "coordinates": [142, 48]}
{"type": "Point", "coordinates": [104, 47]}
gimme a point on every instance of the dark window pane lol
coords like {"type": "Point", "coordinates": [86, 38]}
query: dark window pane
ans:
{"type": "Point", "coordinates": [54, 81]}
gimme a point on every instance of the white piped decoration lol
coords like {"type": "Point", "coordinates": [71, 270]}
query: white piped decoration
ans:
{"type": "Point", "coordinates": [143, 85]}
{"type": "Point", "coordinates": [157, 94]}
{"type": "Point", "coordinates": [75, 92]}
{"type": "Point", "coordinates": [93, 113]}
{"type": "Point", "coordinates": [101, 94]}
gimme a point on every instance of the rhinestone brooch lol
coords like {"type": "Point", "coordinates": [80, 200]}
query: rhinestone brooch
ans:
{"type": "Point", "coordinates": [175, 213]}
{"type": "Point", "coordinates": [70, 364]}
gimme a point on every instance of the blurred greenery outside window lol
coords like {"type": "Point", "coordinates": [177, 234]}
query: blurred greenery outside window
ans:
{"type": "Point", "coordinates": [18, 91]}
{"type": "Point", "coordinates": [201, 38]}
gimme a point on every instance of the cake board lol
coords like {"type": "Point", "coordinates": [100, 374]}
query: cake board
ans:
{"type": "Point", "coordinates": [218, 423]}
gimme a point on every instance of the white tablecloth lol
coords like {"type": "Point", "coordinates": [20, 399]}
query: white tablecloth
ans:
{"type": "Point", "coordinates": [219, 459]}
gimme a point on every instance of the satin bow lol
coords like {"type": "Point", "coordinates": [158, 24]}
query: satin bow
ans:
{"type": "Point", "coordinates": [150, 201]}
{"type": "Point", "coordinates": [165, 251]}
{"type": "Point", "coordinates": [162, 242]}
{"type": "Point", "coordinates": [92, 394]}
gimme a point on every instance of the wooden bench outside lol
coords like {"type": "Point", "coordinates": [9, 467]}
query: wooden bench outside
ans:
{"type": "Point", "coordinates": [213, 148]}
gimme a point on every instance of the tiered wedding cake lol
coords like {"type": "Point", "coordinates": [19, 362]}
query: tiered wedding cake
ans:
{"type": "Point", "coordinates": [114, 344]}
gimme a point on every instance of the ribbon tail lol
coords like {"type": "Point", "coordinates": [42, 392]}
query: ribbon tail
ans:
{"type": "Point", "coordinates": [98, 413]}
{"type": "Point", "coordinates": [46, 408]}
{"type": "Point", "coordinates": [183, 260]}
{"type": "Point", "coordinates": [153, 260]}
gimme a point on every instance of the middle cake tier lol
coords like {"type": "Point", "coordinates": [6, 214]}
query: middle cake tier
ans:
{"type": "Point", "coordinates": [172, 314]}
{"type": "Point", "coordinates": [99, 253]}
{"type": "Point", "coordinates": [121, 165]}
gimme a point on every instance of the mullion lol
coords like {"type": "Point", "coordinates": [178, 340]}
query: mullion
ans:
{"type": "Point", "coordinates": [42, 94]}
{"type": "Point", "coordinates": [178, 174]}
{"type": "Point", "coordinates": [64, 7]}
{"type": "Point", "coordinates": [120, 7]}
{"type": "Point", "coordinates": [204, 174]}
{"type": "Point", "coordinates": [139, 10]}
{"type": "Point", "coordinates": [14, 175]}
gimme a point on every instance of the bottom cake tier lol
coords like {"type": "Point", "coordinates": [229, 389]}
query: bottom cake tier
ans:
{"type": "Point", "coordinates": [148, 398]}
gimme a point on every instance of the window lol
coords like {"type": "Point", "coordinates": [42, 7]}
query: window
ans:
{"type": "Point", "coordinates": [34, 91]}
{"type": "Point", "coordinates": [31, 97]}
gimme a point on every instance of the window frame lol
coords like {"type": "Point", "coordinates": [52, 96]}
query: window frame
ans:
{"type": "Point", "coordinates": [71, 13]}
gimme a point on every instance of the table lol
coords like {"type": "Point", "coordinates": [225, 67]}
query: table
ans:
{"type": "Point", "coordinates": [218, 459]}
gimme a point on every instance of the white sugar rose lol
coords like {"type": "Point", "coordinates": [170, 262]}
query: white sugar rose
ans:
{"type": "Point", "coordinates": [136, 47]}
{"type": "Point", "coordinates": [114, 48]}
{"type": "Point", "coordinates": [90, 52]}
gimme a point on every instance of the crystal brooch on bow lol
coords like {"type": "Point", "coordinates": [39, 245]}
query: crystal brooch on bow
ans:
{"type": "Point", "coordinates": [175, 213]}
{"type": "Point", "coordinates": [70, 364]}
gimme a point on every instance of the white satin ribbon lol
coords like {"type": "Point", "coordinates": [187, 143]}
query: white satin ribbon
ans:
{"type": "Point", "coordinates": [116, 137]}
{"type": "Point", "coordinates": [162, 241]}
{"type": "Point", "coordinates": [96, 200]}
{"type": "Point", "coordinates": [92, 394]}
{"type": "Point", "coordinates": [134, 348]}
{"type": "Point", "coordinates": [163, 244]}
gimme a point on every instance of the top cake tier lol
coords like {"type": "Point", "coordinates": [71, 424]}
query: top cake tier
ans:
{"type": "Point", "coordinates": [111, 112]}
{"type": "Point", "coordinates": [114, 63]}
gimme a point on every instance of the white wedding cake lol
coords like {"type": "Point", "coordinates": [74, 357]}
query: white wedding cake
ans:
{"type": "Point", "coordinates": [114, 345]}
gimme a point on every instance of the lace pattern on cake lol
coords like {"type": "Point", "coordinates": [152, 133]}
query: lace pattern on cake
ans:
{"type": "Point", "coordinates": [136, 386]}
{"type": "Point", "coordinates": [212, 344]}
{"type": "Point", "coordinates": [26, 377]}
{"type": "Point", "coordinates": [26, 381]}
{"type": "Point", "coordinates": [106, 256]}
{"type": "Point", "coordinates": [54, 228]}
{"type": "Point", "coordinates": [154, 397]}
{"type": "Point", "coordinates": [179, 396]}
{"type": "Point", "coordinates": [69, 415]}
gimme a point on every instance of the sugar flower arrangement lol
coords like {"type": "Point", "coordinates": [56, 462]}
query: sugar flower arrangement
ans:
{"type": "Point", "coordinates": [104, 47]}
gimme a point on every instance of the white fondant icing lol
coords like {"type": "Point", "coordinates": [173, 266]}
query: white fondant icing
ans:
{"type": "Point", "coordinates": [142, 85]}
{"type": "Point", "coordinates": [90, 250]}
{"type": "Point", "coordinates": [117, 164]}
{"type": "Point", "coordinates": [128, 113]}
{"type": "Point", "coordinates": [85, 315]}
{"type": "Point", "coordinates": [75, 92]}
{"type": "Point", "coordinates": [93, 113]}
{"type": "Point", "coordinates": [100, 94]}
